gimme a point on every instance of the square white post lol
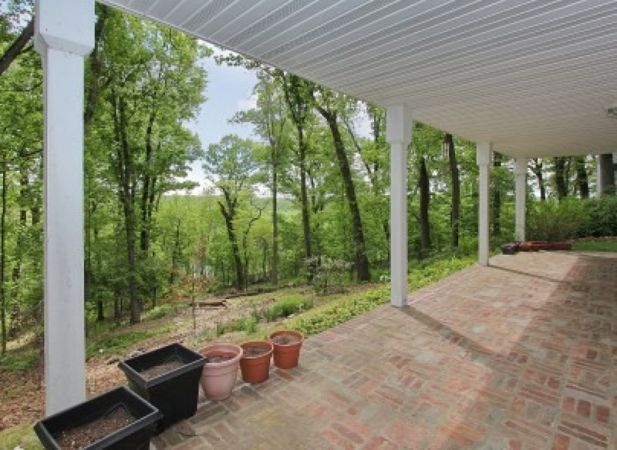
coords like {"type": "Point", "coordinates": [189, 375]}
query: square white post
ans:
{"type": "Point", "coordinates": [520, 176]}
{"type": "Point", "coordinates": [484, 151]}
{"type": "Point", "coordinates": [398, 133]}
{"type": "Point", "coordinates": [64, 36]}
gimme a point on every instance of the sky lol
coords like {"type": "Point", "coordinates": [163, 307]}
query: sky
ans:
{"type": "Point", "coordinates": [229, 90]}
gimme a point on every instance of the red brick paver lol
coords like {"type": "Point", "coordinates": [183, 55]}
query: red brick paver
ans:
{"type": "Point", "coordinates": [520, 355]}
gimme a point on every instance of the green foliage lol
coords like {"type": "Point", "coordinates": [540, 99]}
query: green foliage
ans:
{"type": "Point", "coordinates": [20, 360]}
{"type": "Point", "coordinates": [554, 220]}
{"type": "Point", "coordinates": [159, 312]}
{"type": "Point", "coordinates": [21, 436]}
{"type": "Point", "coordinates": [599, 217]}
{"type": "Point", "coordinates": [596, 245]}
{"type": "Point", "coordinates": [350, 306]}
{"type": "Point", "coordinates": [246, 324]}
{"type": "Point", "coordinates": [288, 306]}
{"type": "Point", "coordinates": [329, 274]}
{"type": "Point", "coordinates": [117, 343]}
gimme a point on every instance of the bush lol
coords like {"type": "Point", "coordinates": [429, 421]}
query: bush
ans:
{"type": "Point", "coordinates": [158, 311]}
{"type": "Point", "coordinates": [248, 324]}
{"type": "Point", "coordinates": [553, 220]}
{"type": "Point", "coordinates": [599, 217]}
{"type": "Point", "coordinates": [288, 306]}
{"type": "Point", "coordinates": [328, 274]}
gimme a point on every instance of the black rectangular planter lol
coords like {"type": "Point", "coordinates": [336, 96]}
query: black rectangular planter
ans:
{"type": "Point", "coordinates": [174, 393]}
{"type": "Point", "coordinates": [135, 435]}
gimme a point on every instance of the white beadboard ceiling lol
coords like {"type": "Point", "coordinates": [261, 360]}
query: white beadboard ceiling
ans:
{"type": "Point", "coordinates": [535, 77]}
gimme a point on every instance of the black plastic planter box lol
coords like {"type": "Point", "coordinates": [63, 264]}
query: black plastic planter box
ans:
{"type": "Point", "coordinates": [135, 435]}
{"type": "Point", "coordinates": [174, 393]}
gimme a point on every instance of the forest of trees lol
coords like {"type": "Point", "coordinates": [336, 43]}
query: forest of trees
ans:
{"type": "Point", "coordinates": [310, 185]}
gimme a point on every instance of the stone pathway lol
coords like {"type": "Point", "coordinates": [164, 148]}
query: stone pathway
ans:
{"type": "Point", "coordinates": [520, 355]}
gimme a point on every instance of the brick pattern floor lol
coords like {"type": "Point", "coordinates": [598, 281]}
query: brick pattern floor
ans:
{"type": "Point", "coordinates": [520, 355]}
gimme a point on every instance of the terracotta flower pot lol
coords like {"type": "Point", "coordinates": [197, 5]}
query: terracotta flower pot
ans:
{"type": "Point", "coordinates": [255, 363]}
{"type": "Point", "coordinates": [220, 371]}
{"type": "Point", "coordinates": [287, 346]}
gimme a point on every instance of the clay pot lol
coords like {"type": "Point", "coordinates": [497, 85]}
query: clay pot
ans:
{"type": "Point", "coordinates": [256, 368]}
{"type": "Point", "coordinates": [286, 354]}
{"type": "Point", "coordinates": [218, 377]}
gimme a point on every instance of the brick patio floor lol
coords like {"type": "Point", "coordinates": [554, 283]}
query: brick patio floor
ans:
{"type": "Point", "coordinates": [520, 355]}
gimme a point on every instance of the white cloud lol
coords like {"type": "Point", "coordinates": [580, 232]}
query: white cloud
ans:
{"type": "Point", "coordinates": [249, 102]}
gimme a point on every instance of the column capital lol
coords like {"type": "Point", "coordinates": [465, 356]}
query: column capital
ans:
{"type": "Point", "coordinates": [64, 25]}
{"type": "Point", "coordinates": [520, 166]}
{"type": "Point", "coordinates": [484, 152]}
{"type": "Point", "coordinates": [398, 125]}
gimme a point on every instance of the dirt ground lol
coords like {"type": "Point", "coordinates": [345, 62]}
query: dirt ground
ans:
{"type": "Point", "coordinates": [22, 392]}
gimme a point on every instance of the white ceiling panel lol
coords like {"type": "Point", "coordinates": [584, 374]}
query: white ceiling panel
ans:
{"type": "Point", "coordinates": [535, 77]}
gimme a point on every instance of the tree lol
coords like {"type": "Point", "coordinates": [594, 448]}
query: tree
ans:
{"type": "Point", "coordinates": [154, 86]}
{"type": "Point", "coordinates": [536, 167]}
{"type": "Point", "coordinates": [328, 104]}
{"type": "Point", "coordinates": [455, 187]}
{"type": "Point", "coordinates": [297, 92]}
{"type": "Point", "coordinates": [230, 165]}
{"type": "Point", "coordinates": [270, 121]}
{"type": "Point", "coordinates": [582, 181]}
{"type": "Point", "coordinates": [561, 167]}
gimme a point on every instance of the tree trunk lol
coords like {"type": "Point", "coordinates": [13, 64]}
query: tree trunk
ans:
{"type": "Point", "coordinates": [127, 198]}
{"type": "Point", "coordinates": [17, 46]}
{"type": "Point", "coordinates": [361, 259]}
{"type": "Point", "coordinates": [425, 198]}
{"type": "Point", "coordinates": [561, 182]}
{"type": "Point", "coordinates": [275, 223]}
{"type": "Point", "coordinates": [496, 209]}
{"type": "Point", "coordinates": [536, 168]}
{"type": "Point", "coordinates": [306, 217]}
{"type": "Point", "coordinates": [3, 259]}
{"type": "Point", "coordinates": [455, 183]}
{"type": "Point", "coordinates": [607, 174]}
{"type": "Point", "coordinates": [582, 180]}
{"type": "Point", "coordinates": [235, 249]}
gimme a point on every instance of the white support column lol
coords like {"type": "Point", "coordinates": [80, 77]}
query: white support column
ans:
{"type": "Point", "coordinates": [520, 176]}
{"type": "Point", "coordinates": [484, 151]}
{"type": "Point", "coordinates": [398, 131]}
{"type": "Point", "coordinates": [64, 36]}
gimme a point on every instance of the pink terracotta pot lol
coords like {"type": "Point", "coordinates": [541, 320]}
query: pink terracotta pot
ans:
{"type": "Point", "coordinates": [221, 369]}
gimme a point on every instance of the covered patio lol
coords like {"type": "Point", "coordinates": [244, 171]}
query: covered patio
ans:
{"type": "Point", "coordinates": [518, 355]}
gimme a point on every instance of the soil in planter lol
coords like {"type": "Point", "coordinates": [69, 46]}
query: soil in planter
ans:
{"type": "Point", "coordinates": [155, 371]}
{"type": "Point", "coordinates": [252, 352]}
{"type": "Point", "coordinates": [220, 357]}
{"type": "Point", "coordinates": [84, 435]}
{"type": "Point", "coordinates": [285, 339]}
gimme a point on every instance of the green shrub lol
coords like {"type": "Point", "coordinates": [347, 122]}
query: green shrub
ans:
{"type": "Point", "coordinates": [328, 274]}
{"type": "Point", "coordinates": [248, 324]}
{"type": "Point", "coordinates": [553, 220]}
{"type": "Point", "coordinates": [333, 314]}
{"type": "Point", "coordinates": [599, 217]}
{"type": "Point", "coordinates": [158, 312]}
{"type": "Point", "coordinates": [286, 307]}
{"type": "Point", "coordinates": [21, 360]}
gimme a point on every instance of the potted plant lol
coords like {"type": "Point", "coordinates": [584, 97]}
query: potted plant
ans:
{"type": "Point", "coordinates": [167, 377]}
{"type": "Point", "coordinates": [287, 344]}
{"type": "Point", "coordinates": [221, 369]}
{"type": "Point", "coordinates": [117, 419]}
{"type": "Point", "coordinates": [255, 362]}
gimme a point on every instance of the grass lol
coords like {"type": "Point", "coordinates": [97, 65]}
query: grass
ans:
{"type": "Point", "coordinates": [122, 341]}
{"type": "Point", "coordinates": [20, 436]}
{"type": "Point", "coordinates": [287, 306]}
{"type": "Point", "coordinates": [24, 359]}
{"type": "Point", "coordinates": [595, 245]}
